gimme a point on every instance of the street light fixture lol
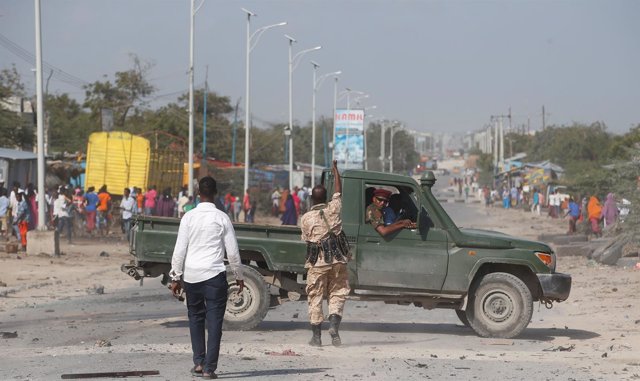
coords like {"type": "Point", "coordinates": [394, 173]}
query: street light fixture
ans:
{"type": "Point", "coordinates": [247, 116]}
{"type": "Point", "coordinates": [293, 63]}
{"type": "Point", "coordinates": [316, 84]}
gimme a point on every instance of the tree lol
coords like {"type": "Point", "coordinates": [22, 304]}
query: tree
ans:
{"type": "Point", "coordinates": [129, 92]}
{"type": "Point", "coordinates": [69, 125]}
{"type": "Point", "coordinates": [15, 130]}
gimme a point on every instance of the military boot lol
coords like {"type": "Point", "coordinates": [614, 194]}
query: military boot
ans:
{"type": "Point", "coordinates": [334, 321]}
{"type": "Point", "coordinates": [315, 339]}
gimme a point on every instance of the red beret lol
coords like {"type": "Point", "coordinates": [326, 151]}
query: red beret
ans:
{"type": "Point", "coordinates": [383, 193]}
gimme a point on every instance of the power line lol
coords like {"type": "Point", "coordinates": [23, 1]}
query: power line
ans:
{"type": "Point", "coordinates": [27, 56]}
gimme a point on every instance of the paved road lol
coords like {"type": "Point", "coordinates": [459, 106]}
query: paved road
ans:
{"type": "Point", "coordinates": [143, 328]}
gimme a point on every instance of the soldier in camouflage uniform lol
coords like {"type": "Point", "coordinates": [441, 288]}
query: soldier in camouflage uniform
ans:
{"type": "Point", "coordinates": [322, 224]}
{"type": "Point", "coordinates": [374, 214]}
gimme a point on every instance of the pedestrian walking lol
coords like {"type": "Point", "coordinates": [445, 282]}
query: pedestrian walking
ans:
{"type": "Point", "coordinates": [127, 206]}
{"type": "Point", "coordinates": [535, 205]}
{"type": "Point", "coordinates": [610, 211]}
{"type": "Point", "coordinates": [104, 210]}
{"type": "Point", "coordinates": [275, 202]}
{"type": "Point", "coordinates": [574, 214]}
{"type": "Point", "coordinates": [165, 206]}
{"type": "Point", "coordinates": [595, 214]}
{"type": "Point", "coordinates": [204, 236]}
{"type": "Point", "coordinates": [91, 209]}
{"type": "Point", "coordinates": [246, 205]}
{"type": "Point", "coordinates": [61, 208]}
{"type": "Point", "coordinates": [326, 261]}
{"type": "Point", "coordinates": [21, 219]}
{"type": "Point", "coordinates": [4, 212]}
{"type": "Point", "coordinates": [150, 201]}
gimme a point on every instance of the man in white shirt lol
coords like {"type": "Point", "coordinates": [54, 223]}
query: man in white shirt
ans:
{"type": "Point", "coordinates": [204, 236]}
{"type": "Point", "coordinates": [127, 205]}
{"type": "Point", "coordinates": [61, 213]}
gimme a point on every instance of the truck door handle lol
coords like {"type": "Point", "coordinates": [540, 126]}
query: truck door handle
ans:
{"type": "Point", "coordinates": [372, 240]}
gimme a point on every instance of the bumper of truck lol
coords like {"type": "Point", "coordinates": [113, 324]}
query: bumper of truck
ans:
{"type": "Point", "coordinates": [556, 286]}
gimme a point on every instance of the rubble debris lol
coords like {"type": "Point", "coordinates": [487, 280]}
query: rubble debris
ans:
{"type": "Point", "coordinates": [103, 343]}
{"type": "Point", "coordinates": [286, 352]}
{"type": "Point", "coordinates": [104, 254]}
{"type": "Point", "coordinates": [9, 335]}
{"type": "Point", "coordinates": [96, 289]}
{"type": "Point", "coordinates": [561, 348]}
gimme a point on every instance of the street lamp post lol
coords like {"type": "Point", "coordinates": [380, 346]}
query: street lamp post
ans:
{"type": "Point", "coordinates": [382, 145]}
{"type": "Point", "coordinates": [247, 115]}
{"type": "Point", "coordinates": [316, 85]}
{"type": "Point", "coordinates": [391, 133]}
{"type": "Point", "coordinates": [366, 165]}
{"type": "Point", "coordinates": [293, 61]}
{"type": "Point", "coordinates": [194, 10]}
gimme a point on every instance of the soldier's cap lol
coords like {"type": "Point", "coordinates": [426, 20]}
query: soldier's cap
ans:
{"type": "Point", "coordinates": [382, 193]}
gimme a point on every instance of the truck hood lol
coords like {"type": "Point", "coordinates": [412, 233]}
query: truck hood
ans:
{"type": "Point", "coordinates": [497, 240]}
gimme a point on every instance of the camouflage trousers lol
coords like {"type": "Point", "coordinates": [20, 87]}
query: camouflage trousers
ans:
{"type": "Point", "coordinates": [332, 281]}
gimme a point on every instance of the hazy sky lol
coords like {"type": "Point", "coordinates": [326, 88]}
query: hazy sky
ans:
{"type": "Point", "coordinates": [435, 65]}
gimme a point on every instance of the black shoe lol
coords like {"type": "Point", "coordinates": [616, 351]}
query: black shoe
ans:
{"type": "Point", "coordinates": [316, 341]}
{"type": "Point", "coordinates": [334, 321]}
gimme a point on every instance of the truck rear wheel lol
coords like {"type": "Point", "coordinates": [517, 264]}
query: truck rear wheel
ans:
{"type": "Point", "coordinates": [246, 310]}
{"type": "Point", "coordinates": [500, 305]}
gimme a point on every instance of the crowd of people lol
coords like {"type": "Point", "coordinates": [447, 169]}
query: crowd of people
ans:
{"type": "Point", "coordinates": [72, 212]}
{"type": "Point", "coordinates": [589, 212]}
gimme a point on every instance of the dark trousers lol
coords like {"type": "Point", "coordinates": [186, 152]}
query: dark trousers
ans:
{"type": "Point", "coordinates": [65, 222]}
{"type": "Point", "coordinates": [206, 302]}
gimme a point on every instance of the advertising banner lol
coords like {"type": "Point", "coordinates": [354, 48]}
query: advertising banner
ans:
{"type": "Point", "coordinates": [348, 135]}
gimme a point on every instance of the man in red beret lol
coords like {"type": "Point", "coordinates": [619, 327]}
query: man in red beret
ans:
{"type": "Point", "coordinates": [374, 216]}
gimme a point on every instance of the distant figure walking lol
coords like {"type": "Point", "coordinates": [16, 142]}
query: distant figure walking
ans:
{"type": "Point", "coordinates": [595, 214]}
{"type": "Point", "coordinates": [610, 211]}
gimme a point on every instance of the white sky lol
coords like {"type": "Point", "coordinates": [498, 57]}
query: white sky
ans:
{"type": "Point", "coordinates": [443, 66]}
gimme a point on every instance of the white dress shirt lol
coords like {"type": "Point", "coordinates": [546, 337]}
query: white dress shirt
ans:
{"type": "Point", "coordinates": [127, 204]}
{"type": "Point", "coordinates": [205, 234]}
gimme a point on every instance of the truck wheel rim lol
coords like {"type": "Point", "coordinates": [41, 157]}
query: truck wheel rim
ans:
{"type": "Point", "coordinates": [498, 306]}
{"type": "Point", "coordinates": [239, 303]}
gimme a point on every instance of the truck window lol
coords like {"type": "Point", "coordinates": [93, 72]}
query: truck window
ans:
{"type": "Point", "coordinates": [403, 200]}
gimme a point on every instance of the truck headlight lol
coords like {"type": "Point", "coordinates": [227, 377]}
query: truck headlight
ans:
{"type": "Point", "coordinates": [548, 259]}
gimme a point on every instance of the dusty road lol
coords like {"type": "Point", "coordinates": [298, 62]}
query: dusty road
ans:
{"type": "Point", "coordinates": [64, 326]}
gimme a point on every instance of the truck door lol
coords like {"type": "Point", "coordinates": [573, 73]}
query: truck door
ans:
{"type": "Point", "coordinates": [408, 259]}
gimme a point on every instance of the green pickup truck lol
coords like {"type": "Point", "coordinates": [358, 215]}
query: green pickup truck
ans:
{"type": "Point", "coordinates": [490, 279]}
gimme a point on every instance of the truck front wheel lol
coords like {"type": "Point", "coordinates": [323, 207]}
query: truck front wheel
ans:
{"type": "Point", "coordinates": [247, 309]}
{"type": "Point", "coordinates": [500, 305]}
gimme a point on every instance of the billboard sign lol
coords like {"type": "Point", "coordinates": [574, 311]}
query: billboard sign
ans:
{"type": "Point", "coordinates": [348, 135]}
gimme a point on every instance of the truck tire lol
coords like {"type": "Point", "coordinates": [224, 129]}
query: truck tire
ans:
{"type": "Point", "coordinates": [247, 310]}
{"type": "Point", "coordinates": [462, 315]}
{"type": "Point", "coordinates": [500, 305]}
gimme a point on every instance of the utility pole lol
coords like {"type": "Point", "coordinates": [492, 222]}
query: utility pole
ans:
{"type": "Point", "coordinates": [382, 146]}
{"type": "Point", "coordinates": [544, 123]}
{"type": "Point", "coordinates": [40, 121]}
{"type": "Point", "coordinates": [204, 120]}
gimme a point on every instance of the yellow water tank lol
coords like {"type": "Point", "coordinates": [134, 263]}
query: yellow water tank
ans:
{"type": "Point", "coordinates": [118, 160]}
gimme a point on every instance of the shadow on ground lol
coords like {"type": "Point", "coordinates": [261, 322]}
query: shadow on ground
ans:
{"type": "Point", "coordinates": [540, 334]}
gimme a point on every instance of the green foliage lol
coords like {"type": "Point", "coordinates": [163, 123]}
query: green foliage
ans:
{"type": "Point", "coordinates": [69, 126]}
{"type": "Point", "coordinates": [576, 143]}
{"type": "Point", "coordinates": [129, 92]}
{"type": "Point", "coordinates": [15, 130]}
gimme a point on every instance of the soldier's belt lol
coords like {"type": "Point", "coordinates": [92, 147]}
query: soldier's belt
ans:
{"type": "Point", "coordinates": [335, 246]}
